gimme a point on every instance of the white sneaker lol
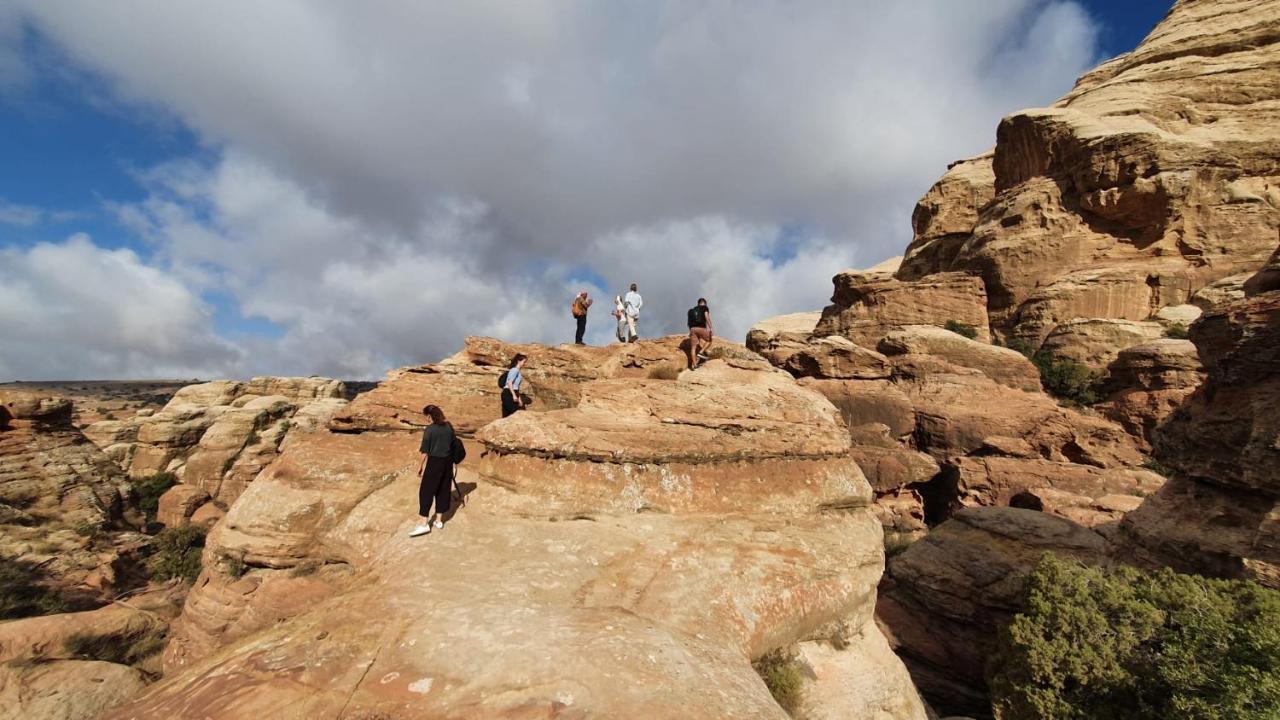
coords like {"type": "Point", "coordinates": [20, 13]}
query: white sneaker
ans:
{"type": "Point", "coordinates": [419, 530]}
{"type": "Point", "coordinates": [437, 524]}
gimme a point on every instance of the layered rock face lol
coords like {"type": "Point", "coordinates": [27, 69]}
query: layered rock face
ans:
{"type": "Point", "coordinates": [216, 437]}
{"type": "Point", "coordinates": [1219, 514]}
{"type": "Point", "coordinates": [1156, 176]}
{"type": "Point", "coordinates": [57, 490]}
{"type": "Point", "coordinates": [1151, 381]}
{"type": "Point", "coordinates": [626, 556]}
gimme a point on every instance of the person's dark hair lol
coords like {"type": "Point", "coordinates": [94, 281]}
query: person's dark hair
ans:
{"type": "Point", "coordinates": [435, 413]}
{"type": "Point", "coordinates": [516, 360]}
{"type": "Point", "coordinates": [633, 286]}
{"type": "Point", "coordinates": [702, 301]}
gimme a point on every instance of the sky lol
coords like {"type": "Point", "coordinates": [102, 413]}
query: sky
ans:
{"type": "Point", "coordinates": [193, 189]}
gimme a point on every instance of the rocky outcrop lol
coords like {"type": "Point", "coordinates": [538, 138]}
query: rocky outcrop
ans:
{"type": "Point", "coordinates": [57, 491]}
{"type": "Point", "coordinates": [1217, 515]}
{"type": "Point", "coordinates": [467, 383]}
{"type": "Point", "coordinates": [1157, 175]}
{"type": "Point", "coordinates": [867, 306]}
{"type": "Point", "coordinates": [777, 338]}
{"type": "Point", "coordinates": [67, 689]}
{"type": "Point", "coordinates": [1147, 382]}
{"type": "Point", "coordinates": [1096, 342]}
{"type": "Point", "coordinates": [1004, 366]}
{"type": "Point", "coordinates": [944, 598]}
{"type": "Point", "coordinates": [627, 555]}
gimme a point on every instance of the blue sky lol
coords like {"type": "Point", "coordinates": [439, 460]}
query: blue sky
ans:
{"type": "Point", "coordinates": [90, 140]}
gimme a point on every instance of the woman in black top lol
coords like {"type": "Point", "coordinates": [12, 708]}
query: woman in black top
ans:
{"type": "Point", "coordinates": [436, 470]}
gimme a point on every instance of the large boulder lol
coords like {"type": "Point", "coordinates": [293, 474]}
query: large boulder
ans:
{"type": "Point", "coordinates": [777, 338]}
{"type": "Point", "coordinates": [66, 689]}
{"type": "Point", "coordinates": [1096, 342]}
{"type": "Point", "coordinates": [867, 306]}
{"type": "Point", "coordinates": [1146, 383]}
{"type": "Point", "coordinates": [627, 555]}
{"type": "Point", "coordinates": [1005, 366]}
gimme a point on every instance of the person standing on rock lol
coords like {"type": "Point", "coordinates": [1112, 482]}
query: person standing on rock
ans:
{"type": "Point", "coordinates": [701, 332]}
{"type": "Point", "coordinates": [620, 314]}
{"type": "Point", "coordinates": [511, 400]}
{"type": "Point", "coordinates": [581, 304]}
{"type": "Point", "coordinates": [435, 467]}
{"type": "Point", "coordinates": [633, 302]}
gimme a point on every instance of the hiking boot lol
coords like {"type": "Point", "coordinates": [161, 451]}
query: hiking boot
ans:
{"type": "Point", "coordinates": [419, 530]}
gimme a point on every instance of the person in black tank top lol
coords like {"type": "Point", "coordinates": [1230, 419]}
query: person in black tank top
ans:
{"type": "Point", "coordinates": [701, 332]}
{"type": "Point", "coordinates": [435, 468]}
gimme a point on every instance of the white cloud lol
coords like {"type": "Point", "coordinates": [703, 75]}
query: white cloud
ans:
{"type": "Point", "coordinates": [72, 310]}
{"type": "Point", "coordinates": [394, 175]}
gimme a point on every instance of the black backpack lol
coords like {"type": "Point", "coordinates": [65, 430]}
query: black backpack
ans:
{"type": "Point", "coordinates": [697, 316]}
{"type": "Point", "coordinates": [502, 380]}
{"type": "Point", "coordinates": [457, 451]}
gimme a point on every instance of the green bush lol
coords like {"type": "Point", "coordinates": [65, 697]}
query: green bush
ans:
{"type": "Point", "coordinates": [960, 328]}
{"type": "Point", "coordinates": [1177, 331]}
{"type": "Point", "coordinates": [21, 595]}
{"type": "Point", "coordinates": [1126, 645]}
{"type": "Point", "coordinates": [1062, 377]}
{"type": "Point", "coordinates": [1156, 467]}
{"type": "Point", "coordinates": [176, 553]}
{"type": "Point", "coordinates": [784, 678]}
{"type": "Point", "coordinates": [148, 491]}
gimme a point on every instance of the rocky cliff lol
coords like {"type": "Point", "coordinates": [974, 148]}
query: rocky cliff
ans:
{"type": "Point", "coordinates": [627, 554]}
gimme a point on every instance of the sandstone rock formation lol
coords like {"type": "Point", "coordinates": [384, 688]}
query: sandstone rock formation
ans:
{"type": "Point", "coordinates": [627, 555]}
{"type": "Point", "coordinates": [66, 689]}
{"type": "Point", "coordinates": [57, 491]}
{"type": "Point", "coordinates": [1153, 178]}
{"type": "Point", "coordinates": [216, 437]}
{"type": "Point", "coordinates": [867, 306]}
{"type": "Point", "coordinates": [1218, 514]}
{"type": "Point", "coordinates": [1148, 382]}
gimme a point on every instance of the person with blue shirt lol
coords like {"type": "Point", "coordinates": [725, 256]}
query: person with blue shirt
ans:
{"type": "Point", "coordinates": [511, 400]}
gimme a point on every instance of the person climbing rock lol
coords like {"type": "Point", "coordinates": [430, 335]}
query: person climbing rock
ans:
{"type": "Point", "coordinates": [435, 468]}
{"type": "Point", "coordinates": [633, 303]}
{"type": "Point", "coordinates": [701, 332]}
{"type": "Point", "coordinates": [580, 305]}
{"type": "Point", "coordinates": [511, 400]}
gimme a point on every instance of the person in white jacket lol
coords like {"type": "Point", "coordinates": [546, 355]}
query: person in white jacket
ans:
{"type": "Point", "coordinates": [633, 303]}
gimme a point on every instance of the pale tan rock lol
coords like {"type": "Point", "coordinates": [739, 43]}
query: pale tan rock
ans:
{"type": "Point", "coordinates": [1160, 162]}
{"type": "Point", "coordinates": [207, 515]}
{"type": "Point", "coordinates": [1005, 366]}
{"type": "Point", "coordinates": [627, 556]}
{"type": "Point", "coordinates": [943, 599]}
{"type": "Point", "coordinates": [178, 503]}
{"type": "Point", "coordinates": [1022, 482]}
{"type": "Point", "coordinates": [946, 215]}
{"type": "Point", "coordinates": [778, 337]}
{"type": "Point", "coordinates": [837, 358]}
{"type": "Point", "coordinates": [106, 433]}
{"type": "Point", "coordinates": [1228, 289]}
{"type": "Point", "coordinates": [45, 637]}
{"type": "Point", "coordinates": [67, 689]}
{"type": "Point", "coordinates": [868, 306]}
{"type": "Point", "coordinates": [863, 679]}
{"type": "Point", "coordinates": [1095, 342]}
{"type": "Point", "coordinates": [868, 402]}
{"type": "Point", "coordinates": [1178, 315]}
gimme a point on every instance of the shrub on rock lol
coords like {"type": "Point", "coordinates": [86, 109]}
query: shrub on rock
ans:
{"type": "Point", "coordinates": [960, 328]}
{"type": "Point", "coordinates": [177, 553]}
{"type": "Point", "coordinates": [1126, 644]}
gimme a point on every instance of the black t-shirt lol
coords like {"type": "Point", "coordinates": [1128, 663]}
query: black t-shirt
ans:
{"type": "Point", "coordinates": [697, 316]}
{"type": "Point", "coordinates": [436, 440]}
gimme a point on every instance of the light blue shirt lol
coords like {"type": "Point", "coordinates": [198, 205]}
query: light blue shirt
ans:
{"type": "Point", "coordinates": [633, 302]}
{"type": "Point", "coordinates": [514, 378]}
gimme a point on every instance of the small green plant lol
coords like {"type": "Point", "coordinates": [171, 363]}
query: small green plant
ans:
{"type": "Point", "coordinates": [664, 371]}
{"type": "Point", "coordinates": [22, 595]}
{"type": "Point", "coordinates": [148, 490]}
{"type": "Point", "coordinates": [1062, 377]}
{"type": "Point", "coordinates": [1135, 646]}
{"type": "Point", "coordinates": [234, 565]}
{"type": "Point", "coordinates": [784, 678]}
{"type": "Point", "coordinates": [84, 528]}
{"type": "Point", "coordinates": [960, 328]}
{"type": "Point", "coordinates": [1156, 467]}
{"type": "Point", "coordinates": [109, 648]}
{"type": "Point", "coordinates": [1177, 331]}
{"type": "Point", "coordinates": [176, 553]}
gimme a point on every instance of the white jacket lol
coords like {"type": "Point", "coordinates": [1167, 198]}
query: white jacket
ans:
{"type": "Point", "coordinates": [634, 302]}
